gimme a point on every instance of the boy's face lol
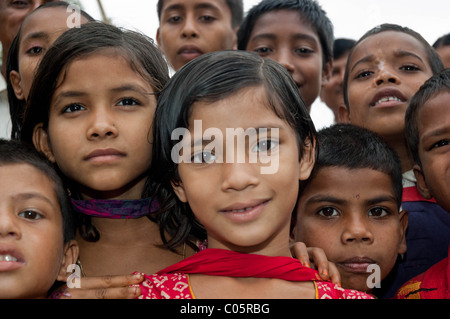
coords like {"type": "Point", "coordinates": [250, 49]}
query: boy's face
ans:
{"type": "Point", "coordinates": [31, 238]}
{"type": "Point", "coordinates": [285, 37]}
{"type": "Point", "coordinates": [433, 178]}
{"type": "Point", "coordinates": [385, 70]}
{"type": "Point", "coordinates": [353, 216]}
{"type": "Point", "coordinates": [331, 92]}
{"type": "Point", "coordinates": [239, 205]}
{"type": "Point", "coordinates": [190, 28]}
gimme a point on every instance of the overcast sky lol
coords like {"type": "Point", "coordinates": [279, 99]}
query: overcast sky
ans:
{"type": "Point", "coordinates": [351, 19]}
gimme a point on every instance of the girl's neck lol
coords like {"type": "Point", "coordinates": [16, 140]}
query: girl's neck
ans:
{"type": "Point", "coordinates": [125, 246]}
{"type": "Point", "coordinates": [277, 247]}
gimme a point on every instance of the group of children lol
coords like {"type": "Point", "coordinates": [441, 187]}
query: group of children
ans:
{"type": "Point", "coordinates": [197, 185]}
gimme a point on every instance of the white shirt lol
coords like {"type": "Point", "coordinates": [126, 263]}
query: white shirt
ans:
{"type": "Point", "coordinates": [5, 118]}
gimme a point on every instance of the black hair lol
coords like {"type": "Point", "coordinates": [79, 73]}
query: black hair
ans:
{"type": "Point", "coordinates": [13, 152]}
{"type": "Point", "coordinates": [310, 10]}
{"type": "Point", "coordinates": [442, 41]}
{"type": "Point", "coordinates": [16, 106]}
{"type": "Point", "coordinates": [209, 78]}
{"type": "Point", "coordinates": [90, 38]}
{"type": "Point", "coordinates": [236, 8]}
{"type": "Point", "coordinates": [342, 46]}
{"type": "Point", "coordinates": [354, 147]}
{"type": "Point", "coordinates": [433, 58]}
{"type": "Point", "coordinates": [435, 85]}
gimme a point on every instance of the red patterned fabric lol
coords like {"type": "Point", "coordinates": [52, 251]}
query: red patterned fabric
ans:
{"type": "Point", "coordinates": [173, 282]}
{"type": "Point", "coordinates": [432, 284]}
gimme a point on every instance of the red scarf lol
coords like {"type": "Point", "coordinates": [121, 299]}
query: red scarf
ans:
{"type": "Point", "coordinates": [221, 262]}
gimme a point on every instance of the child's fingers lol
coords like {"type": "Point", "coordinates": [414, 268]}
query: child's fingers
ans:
{"type": "Point", "coordinates": [102, 293]}
{"type": "Point", "coordinates": [300, 252]}
{"type": "Point", "coordinates": [110, 281]}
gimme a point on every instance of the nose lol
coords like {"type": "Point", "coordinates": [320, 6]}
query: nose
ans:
{"type": "Point", "coordinates": [385, 76]}
{"type": "Point", "coordinates": [8, 225]}
{"type": "Point", "coordinates": [189, 28]}
{"type": "Point", "coordinates": [102, 124]}
{"type": "Point", "coordinates": [284, 57]}
{"type": "Point", "coordinates": [239, 176]}
{"type": "Point", "coordinates": [357, 230]}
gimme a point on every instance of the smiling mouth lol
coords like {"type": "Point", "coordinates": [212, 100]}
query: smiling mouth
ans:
{"type": "Point", "coordinates": [387, 99]}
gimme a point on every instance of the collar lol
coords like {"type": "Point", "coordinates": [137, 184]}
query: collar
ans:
{"type": "Point", "coordinates": [115, 209]}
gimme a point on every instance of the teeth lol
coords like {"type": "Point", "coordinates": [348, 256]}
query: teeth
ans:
{"type": "Point", "coordinates": [240, 210]}
{"type": "Point", "coordinates": [7, 258]}
{"type": "Point", "coordinates": [388, 98]}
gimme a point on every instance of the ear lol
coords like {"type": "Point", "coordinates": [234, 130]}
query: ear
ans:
{"type": "Point", "coordinates": [178, 188]}
{"type": "Point", "coordinates": [41, 141]}
{"type": "Point", "coordinates": [16, 79]}
{"type": "Point", "coordinates": [71, 252]}
{"type": "Point", "coordinates": [421, 183]}
{"type": "Point", "coordinates": [343, 115]}
{"type": "Point", "coordinates": [326, 72]}
{"type": "Point", "coordinates": [403, 226]}
{"type": "Point", "coordinates": [308, 159]}
{"type": "Point", "coordinates": [158, 38]}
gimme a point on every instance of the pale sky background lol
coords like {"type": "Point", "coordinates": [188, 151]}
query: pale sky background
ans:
{"type": "Point", "coordinates": [351, 19]}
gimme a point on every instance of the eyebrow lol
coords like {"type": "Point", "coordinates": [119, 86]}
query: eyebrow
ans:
{"type": "Point", "coordinates": [34, 195]}
{"type": "Point", "coordinates": [297, 36]}
{"type": "Point", "coordinates": [122, 88]}
{"type": "Point", "coordinates": [36, 35]}
{"type": "Point", "coordinates": [326, 198]}
{"type": "Point", "coordinates": [268, 129]}
{"type": "Point", "coordinates": [179, 6]}
{"type": "Point", "coordinates": [398, 54]}
{"type": "Point", "coordinates": [436, 132]}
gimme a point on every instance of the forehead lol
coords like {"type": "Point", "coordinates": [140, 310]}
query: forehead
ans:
{"type": "Point", "coordinates": [21, 177]}
{"type": "Point", "coordinates": [388, 44]}
{"type": "Point", "coordinates": [343, 182]}
{"type": "Point", "coordinates": [435, 113]}
{"type": "Point", "coordinates": [52, 19]}
{"type": "Point", "coordinates": [283, 21]}
{"type": "Point", "coordinates": [220, 5]}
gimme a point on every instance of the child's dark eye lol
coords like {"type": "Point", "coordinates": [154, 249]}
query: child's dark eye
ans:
{"type": "Point", "coordinates": [263, 51]}
{"type": "Point", "coordinates": [378, 212]}
{"type": "Point", "coordinates": [440, 144]}
{"type": "Point", "coordinates": [74, 107]}
{"type": "Point", "coordinates": [328, 212]}
{"type": "Point", "coordinates": [265, 145]}
{"type": "Point", "coordinates": [207, 18]}
{"type": "Point", "coordinates": [363, 74]}
{"type": "Point", "coordinates": [35, 50]}
{"type": "Point", "coordinates": [409, 68]}
{"type": "Point", "coordinates": [203, 157]}
{"type": "Point", "coordinates": [128, 102]}
{"type": "Point", "coordinates": [30, 214]}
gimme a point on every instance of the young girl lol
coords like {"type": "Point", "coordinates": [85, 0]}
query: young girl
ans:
{"type": "Point", "coordinates": [37, 32]}
{"type": "Point", "coordinates": [241, 194]}
{"type": "Point", "coordinates": [36, 224]}
{"type": "Point", "coordinates": [385, 68]}
{"type": "Point", "coordinates": [90, 112]}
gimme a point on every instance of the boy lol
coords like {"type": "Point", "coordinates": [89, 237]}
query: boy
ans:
{"type": "Point", "coordinates": [297, 34]}
{"type": "Point", "coordinates": [331, 93]}
{"type": "Point", "coordinates": [350, 205]}
{"type": "Point", "coordinates": [442, 47]}
{"type": "Point", "coordinates": [189, 28]}
{"type": "Point", "coordinates": [428, 136]}
{"type": "Point", "coordinates": [36, 227]}
{"type": "Point", "coordinates": [386, 67]}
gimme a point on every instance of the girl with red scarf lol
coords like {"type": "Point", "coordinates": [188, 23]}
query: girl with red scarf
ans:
{"type": "Point", "coordinates": [238, 196]}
